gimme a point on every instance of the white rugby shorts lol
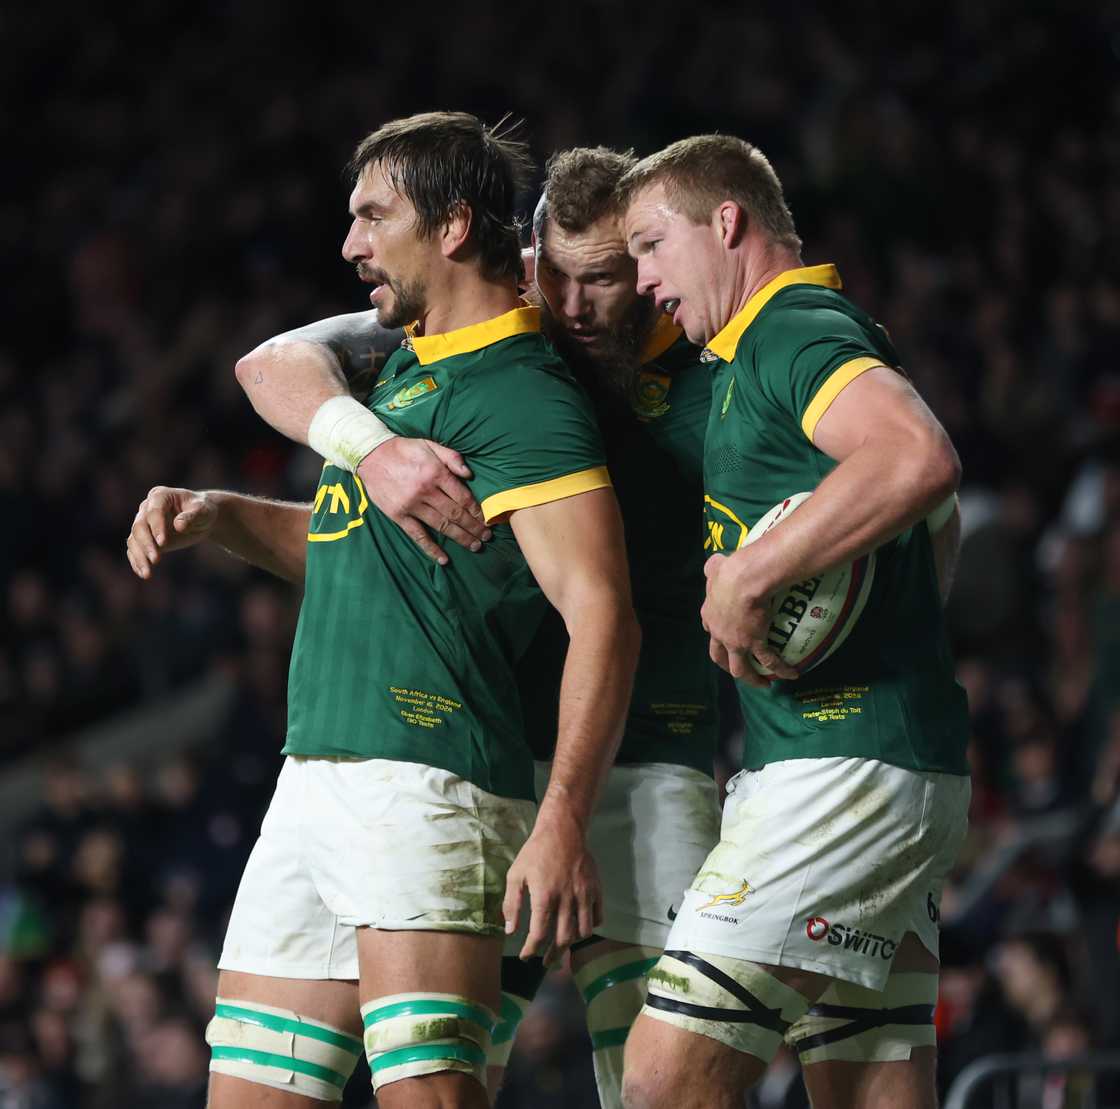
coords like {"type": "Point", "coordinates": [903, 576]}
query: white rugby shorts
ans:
{"type": "Point", "coordinates": [825, 864]}
{"type": "Point", "coordinates": [654, 825]}
{"type": "Point", "coordinates": [348, 843]}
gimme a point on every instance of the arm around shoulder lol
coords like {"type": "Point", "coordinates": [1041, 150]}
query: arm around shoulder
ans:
{"type": "Point", "coordinates": [288, 377]}
{"type": "Point", "coordinates": [299, 384]}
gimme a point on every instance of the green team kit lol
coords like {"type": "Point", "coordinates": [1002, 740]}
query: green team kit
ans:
{"type": "Point", "coordinates": [654, 441]}
{"type": "Point", "coordinates": [889, 693]}
{"type": "Point", "coordinates": [657, 818]}
{"type": "Point", "coordinates": [394, 656]}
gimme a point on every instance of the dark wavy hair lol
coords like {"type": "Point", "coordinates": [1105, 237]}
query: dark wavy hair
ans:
{"type": "Point", "coordinates": [441, 160]}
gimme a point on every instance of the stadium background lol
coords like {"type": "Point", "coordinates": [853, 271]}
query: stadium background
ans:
{"type": "Point", "coordinates": [173, 197]}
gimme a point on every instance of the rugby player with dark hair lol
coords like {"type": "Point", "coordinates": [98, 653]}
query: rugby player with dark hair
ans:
{"type": "Point", "coordinates": [404, 832]}
{"type": "Point", "coordinates": [657, 818]}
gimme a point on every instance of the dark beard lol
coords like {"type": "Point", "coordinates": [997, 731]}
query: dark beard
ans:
{"type": "Point", "coordinates": [611, 371]}
{"type": "Point", "coordinates": [409, 303]}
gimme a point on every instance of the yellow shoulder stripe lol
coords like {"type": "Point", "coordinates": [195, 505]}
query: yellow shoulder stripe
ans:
{"type": "Point", "coordinates": [833, 385]}
{"type": "Point", "coordinates": [497, 508]}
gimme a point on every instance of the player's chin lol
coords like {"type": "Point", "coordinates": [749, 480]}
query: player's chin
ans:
{"type": "Point", "coordinates": [389, 314]}
{"type": "Point", "coordinates": [694, 330]}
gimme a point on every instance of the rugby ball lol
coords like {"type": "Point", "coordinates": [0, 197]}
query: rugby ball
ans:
{"type": "Point", "coordinates": [811, 619]}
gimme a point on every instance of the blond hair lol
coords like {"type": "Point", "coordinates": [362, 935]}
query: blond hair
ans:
{"type": "Point", "coordinates": [701, 172]}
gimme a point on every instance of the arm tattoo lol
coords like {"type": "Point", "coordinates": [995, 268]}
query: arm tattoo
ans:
{"type": "Point", "coordinates": [357, 340]}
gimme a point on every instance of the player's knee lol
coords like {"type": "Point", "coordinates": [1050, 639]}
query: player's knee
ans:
{"type": "Point", "coordinates": [635, 1092]}
{"type": "Point", "coordinates": [641, 1089]}
{"type": "Point", "coordinates": [417, 1034]}
{"type": "Point", "coordinates": [281, 1049]}
{"type": "Point", "coordinates": [740, 1004]}
{"type": "Point", "coordinates": [648, 1083]}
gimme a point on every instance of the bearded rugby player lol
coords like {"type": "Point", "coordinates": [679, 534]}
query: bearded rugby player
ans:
{"type": "Point", "coordinates": [658, 817]}
{"type": "Point", "coordinates": [815, 918]}
{"type": "Point", "coordinates": [371, 910]}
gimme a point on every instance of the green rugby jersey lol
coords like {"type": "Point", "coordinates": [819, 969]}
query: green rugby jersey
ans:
{"type": "Point", "coordinates": [889, 692]}
{"type": "Point", "coordinates": [396, 657]}
{"type": "Point", "coordinates": [655, 450]}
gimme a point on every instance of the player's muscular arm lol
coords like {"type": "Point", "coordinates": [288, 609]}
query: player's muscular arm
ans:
{"type": "Point", "coordinates": [268, 534]}
{"type": "Point", "coordinates": [895, 465]}
{"type": "Point", "coordinates": [415, 482]}
{"type": "Point", "coordinates": [289, 376]}
{"type": "Point", "coordinates": [576, 550]}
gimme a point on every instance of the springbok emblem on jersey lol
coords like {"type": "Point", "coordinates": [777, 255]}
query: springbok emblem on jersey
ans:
{"type": "Point", "coordinates": [730, 899]}
{"type": "Point", "coordinates": [412, 393]}
{"type": "Point", "coordinates": [649, 396]}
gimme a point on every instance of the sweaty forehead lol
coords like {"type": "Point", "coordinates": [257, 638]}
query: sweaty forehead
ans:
{"type": "Point", "coordinates": [599, 246]}
{"type": "Point", "coordinates": [373, 187]}
{"type": "Point", "coordinates": [648, 207]}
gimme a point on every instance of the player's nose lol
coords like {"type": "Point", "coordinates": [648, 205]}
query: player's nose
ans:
{"type": "Point", "coordinates": [354, 247]}
{"type": "Point", "coordinates": [648, 279]}
{"type": "Point", "coordinates": [575, 302]}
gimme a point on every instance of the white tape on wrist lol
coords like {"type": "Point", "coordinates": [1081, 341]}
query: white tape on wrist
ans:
{"type": "Point", "coordinates": [344, 431]}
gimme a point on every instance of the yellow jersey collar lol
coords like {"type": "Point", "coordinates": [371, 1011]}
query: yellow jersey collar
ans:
{"type": "Point", "coordinates": [725, 343]}
{"type": "Point", "coordinates": [464, 340]}
{"type": "Point", "coordinates": [664, 334]}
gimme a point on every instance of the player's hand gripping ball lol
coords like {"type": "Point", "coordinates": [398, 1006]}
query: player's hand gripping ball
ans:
{"type": "Point", "coordinates": [809, 620]}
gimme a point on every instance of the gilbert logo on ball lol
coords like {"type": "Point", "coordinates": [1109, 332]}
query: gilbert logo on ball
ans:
{"type": "Point", "coordinates": [811, 619]}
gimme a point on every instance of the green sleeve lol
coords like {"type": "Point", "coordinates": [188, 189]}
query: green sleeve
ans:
{"type": "Point", "coordinates": [806, 356]}
{"type": "Point", "coordinates": [528, 434]}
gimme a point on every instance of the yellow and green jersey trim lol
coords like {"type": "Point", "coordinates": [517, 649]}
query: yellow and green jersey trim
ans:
{"type": "Point", "coordinates": [497, 508]}
{"type": "Point", "coordinates": [831, 388]}
{"type": "Point", "coordinates": [466, 340]}
{"type": "Point", "coordinates": [726, 342]}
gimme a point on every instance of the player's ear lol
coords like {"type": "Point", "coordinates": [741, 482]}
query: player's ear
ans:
{"type": "Point", "coordinates": [529, 265]}
{"type": "Point", "coordinates": [456, 231]}
{"type": "Point", "coordinates": [731, 221]}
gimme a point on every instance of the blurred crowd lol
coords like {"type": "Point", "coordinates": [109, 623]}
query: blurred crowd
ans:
{"type": "Point", "coordinates": [174, 197]}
